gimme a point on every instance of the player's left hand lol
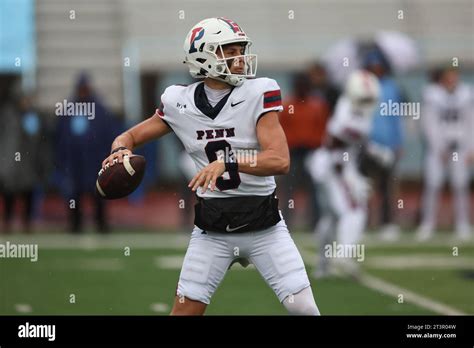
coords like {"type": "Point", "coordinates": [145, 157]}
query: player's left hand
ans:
{"type": "Point", "coordinates": [208, 176]}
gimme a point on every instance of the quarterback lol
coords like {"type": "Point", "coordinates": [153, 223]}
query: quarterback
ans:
{"type": "Point", "coordinates": [228, 124]}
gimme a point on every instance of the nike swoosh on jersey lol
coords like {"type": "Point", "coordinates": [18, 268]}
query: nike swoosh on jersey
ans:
{"type": "Point", "coordinates": [240, 102]}
{"type": "Point", "coordinates": [228, 229]}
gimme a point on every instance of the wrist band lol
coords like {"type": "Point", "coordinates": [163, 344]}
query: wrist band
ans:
{"type": "Point", "coordinates": [231, 167]}
{"type": "Point", "coordinates": [118, 149]}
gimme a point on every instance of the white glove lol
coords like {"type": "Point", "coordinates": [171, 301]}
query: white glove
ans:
{"type": "Point", "coordinates": [318, 164]}
{"type": "Point", "coordinates": [382, 154]}
{"type": "Point", "coordinates": [359, 186]}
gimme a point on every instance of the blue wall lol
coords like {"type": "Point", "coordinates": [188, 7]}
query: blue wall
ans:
{"type": "Point", "coordinates": [17, 36]}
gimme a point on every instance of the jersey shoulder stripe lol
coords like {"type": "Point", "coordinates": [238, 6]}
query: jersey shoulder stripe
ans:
{"type": "Point", "coordinates": [272, 99]}
{"type": "Point", "coordinates": [268, 91]}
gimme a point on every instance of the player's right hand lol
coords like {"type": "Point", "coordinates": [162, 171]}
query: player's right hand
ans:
{"type": "Point", "coordinates": [116, 157]}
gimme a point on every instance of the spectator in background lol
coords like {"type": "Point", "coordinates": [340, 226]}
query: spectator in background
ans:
{"type": "Point", "coordinates": [82, 142]}
{"type": "Point", "coordinates": [387, 133]}
{"type": "Point", "coordinates": [304, 122]}
{"type": "Point", "coordinates": [321, 87]}
{"type": "Point", "coordinates": [24, 156]}
{"type": "Point", "coordinates": [447, 122]}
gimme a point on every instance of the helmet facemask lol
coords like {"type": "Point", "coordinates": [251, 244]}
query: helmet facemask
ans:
{"type": "Point", "coordinates": [223, 67]}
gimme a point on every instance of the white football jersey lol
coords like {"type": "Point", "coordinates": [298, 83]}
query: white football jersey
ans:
{"type": "Point", "coordinates": [448, 118]}
{"type": "Point", "coordinates": [349, 125]}
{"type": "Point", "coordinates": [230, 127]}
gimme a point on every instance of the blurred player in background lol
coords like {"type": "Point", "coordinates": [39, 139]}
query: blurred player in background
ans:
{"type": "Point", "coordinates": [448, 127]}
{"type": "Point", "coordinates": [387, 135]}
{"type": "Point", "coordinates": [342, 189]}
{"type": "Point", "coordinates": [223, 123]}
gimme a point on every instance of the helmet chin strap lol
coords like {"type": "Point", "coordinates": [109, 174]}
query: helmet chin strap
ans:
{"type": "Point", "coordinates": [229, 79]}
{"type": "Point", "coordinates": [236, 81]}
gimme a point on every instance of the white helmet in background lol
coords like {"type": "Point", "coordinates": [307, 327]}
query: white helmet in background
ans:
{"type": "Point", "coordinates": [363, 90]}
{"type": "Point", "coordinates": [203, 43]}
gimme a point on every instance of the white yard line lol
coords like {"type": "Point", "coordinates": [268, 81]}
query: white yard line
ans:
{"type": "Point", "coordinates": [96, 241]}
{"type": "Point", "coordinates": [100, 264]}
{"type": "Point", "coordinates": [23, 308]}
{"type": "Point", "coordinates": [420, 261]}
{"type": "Point", "coordinates": [387, 288]}
{"type": "Point", "coordinates": [160, 307]}
{"type": "Point", "coordinates": [91, 241]}
{"type": "Point", "coordinates": [390, 289]}
{"type": "Point", "coordinates": [405, 241]}
{"type": "Point", "coordinates": [168, 261]}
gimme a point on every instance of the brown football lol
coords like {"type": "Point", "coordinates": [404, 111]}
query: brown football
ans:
{"type": "Point", "coordinates": [121, 179]}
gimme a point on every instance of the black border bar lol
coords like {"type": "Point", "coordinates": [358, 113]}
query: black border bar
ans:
{"type": "Point", "coordinates": [291, 331]}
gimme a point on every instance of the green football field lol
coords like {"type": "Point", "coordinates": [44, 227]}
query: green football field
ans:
{"type": "Point", "coordinates": [137, 272]}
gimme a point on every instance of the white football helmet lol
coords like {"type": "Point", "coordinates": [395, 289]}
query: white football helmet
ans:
{"type": "Point", "coordinates": [205, 41]}
{"type": "Point", "coordinates": [363, 90]}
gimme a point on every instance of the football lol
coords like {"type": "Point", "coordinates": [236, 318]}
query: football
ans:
{"type": "Point", "coordinates": [121, 179]}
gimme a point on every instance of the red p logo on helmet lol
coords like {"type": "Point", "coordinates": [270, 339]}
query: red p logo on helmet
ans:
{"type": "Point", "coordinates": [196, 34]}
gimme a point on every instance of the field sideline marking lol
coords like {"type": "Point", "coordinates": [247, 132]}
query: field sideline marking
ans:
{"type": "Point", "coordinates": [420, 261]}
{"type": "Point", "coordinates": [23, 308]}
{"type": "Point", "coordinates": [180, 240]}
{"type": "Point", "coordinates": [387, 288]}
{"type": "Point", "coordinates": [160, 307]}
{"type": "Point", "coordinates": [95, 241]}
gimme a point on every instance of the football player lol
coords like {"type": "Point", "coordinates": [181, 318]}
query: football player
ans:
{"type": "Point", "coordinates": [448, 127]}
{"type": "Point", "coordinates": [342, 189]}
{"type": "Point", "coordinates": [228, 123]}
